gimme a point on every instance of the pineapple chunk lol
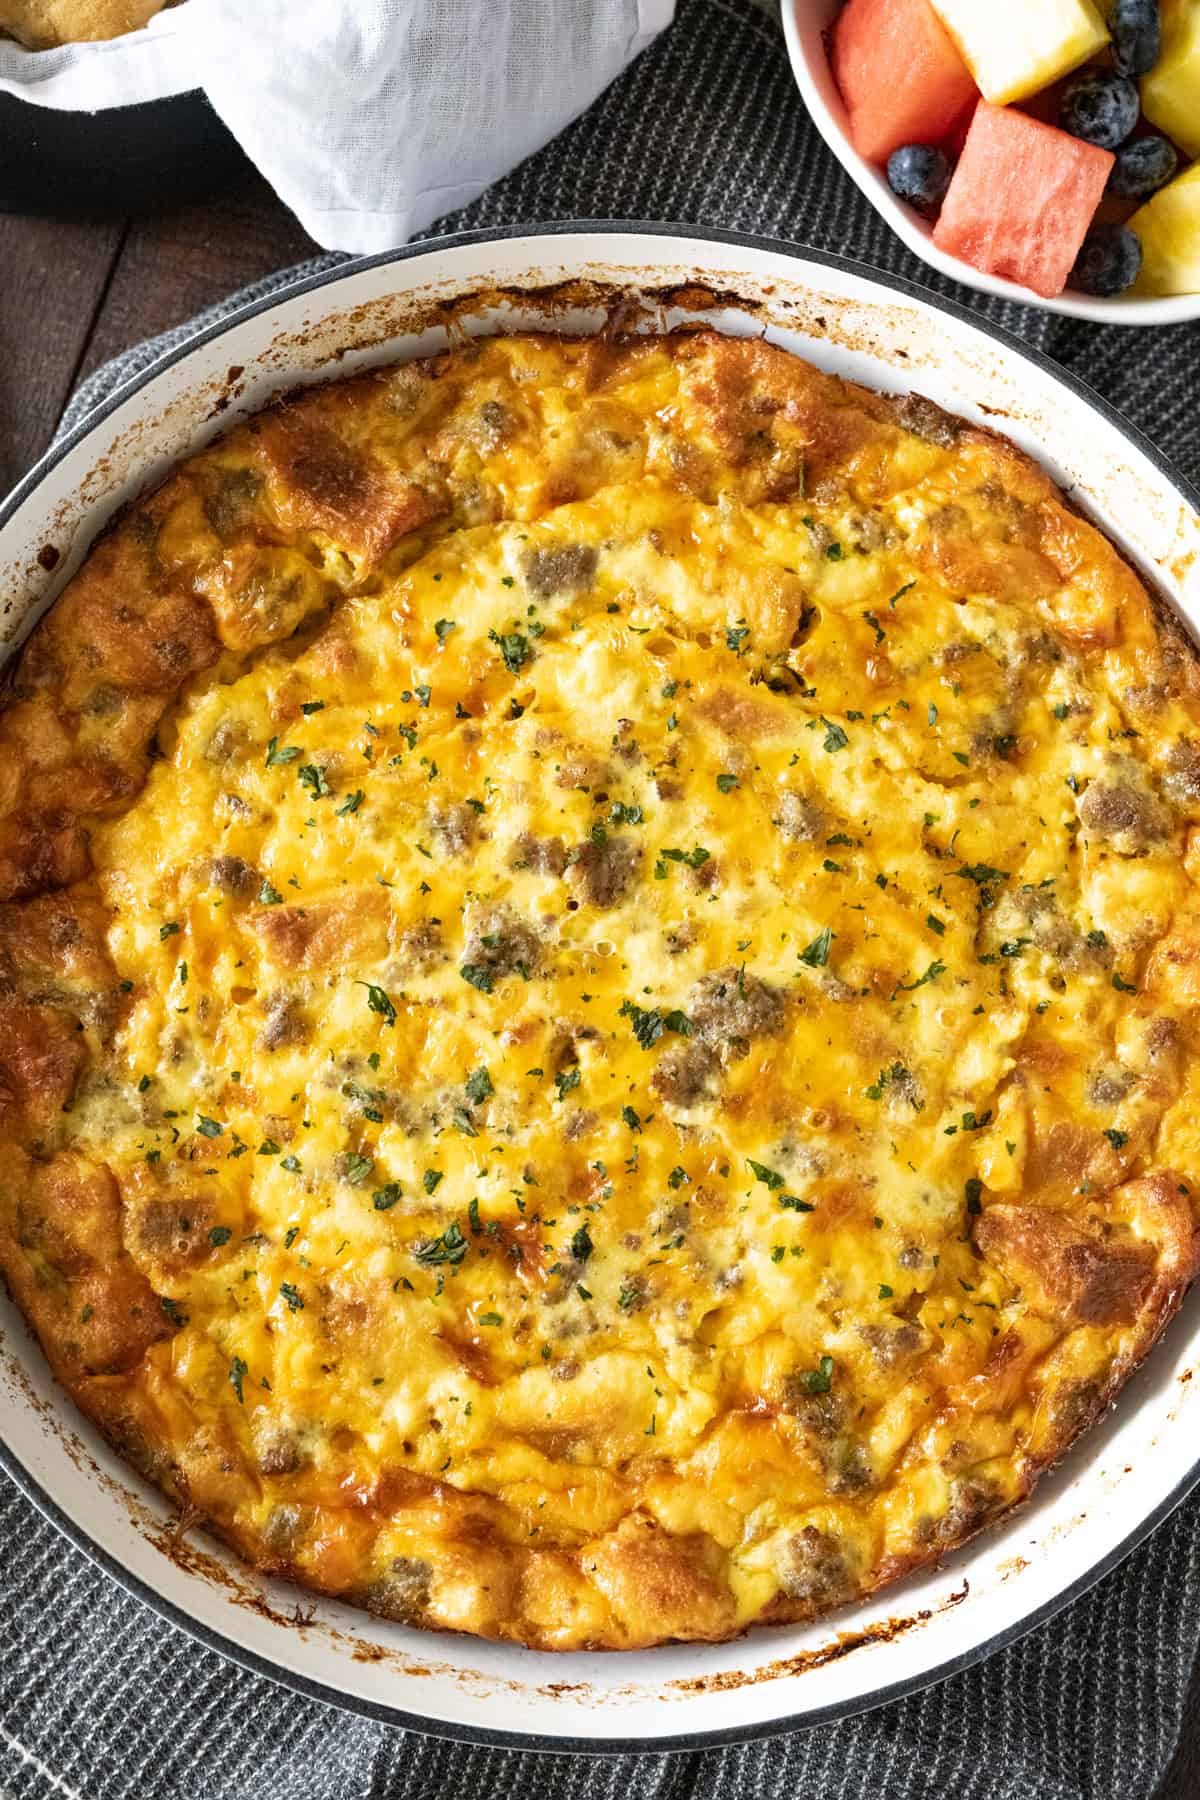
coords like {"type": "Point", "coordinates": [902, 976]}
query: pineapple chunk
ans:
{"type": "Point", "coordinates": [1171, 91]}
{"type": "Point", "coordinates": [1169, 227]}
{"type": "Point", "coordinates": [1015, 47]}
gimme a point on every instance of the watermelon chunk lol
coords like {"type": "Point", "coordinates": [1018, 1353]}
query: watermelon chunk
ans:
{"type": "Point", "coordinates": [899, 74]}
{"type": "Point", "coordinates": [1022, 198]}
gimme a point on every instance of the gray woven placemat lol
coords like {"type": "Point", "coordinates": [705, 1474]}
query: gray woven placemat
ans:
{"type": "Point", "coordinates": [102, 1701]}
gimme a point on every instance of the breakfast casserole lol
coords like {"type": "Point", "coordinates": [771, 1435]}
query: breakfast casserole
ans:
{"type": "Point", "coordinates": [599, 965]}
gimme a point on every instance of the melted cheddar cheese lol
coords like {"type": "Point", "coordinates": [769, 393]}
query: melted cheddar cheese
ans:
{"type": "Point", "coordinates": [597, 986]}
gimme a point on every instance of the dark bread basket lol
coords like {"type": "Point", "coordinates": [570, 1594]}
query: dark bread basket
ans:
{"type": "Point", "coordinates": [125, 159]}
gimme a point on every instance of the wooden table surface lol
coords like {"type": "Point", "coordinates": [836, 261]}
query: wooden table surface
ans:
{"type": "Point", "coordinates": [73, 292]}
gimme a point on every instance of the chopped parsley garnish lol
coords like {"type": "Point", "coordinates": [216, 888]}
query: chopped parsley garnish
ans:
{"type": "Point", "coordinates": [630, 1118]}
{"type": "Point", "coordinates": [220, 1234]}
{"type": "Point", "coordinates": [431, 1180]}
{"type": "Point", "coordinates": [207, 1127]}
{"type": "Point", "coordinates": [287, 754]}
{"type": "Point", "coordinates": [835, 737]}
{"type": "Point", "coordinates": [648, 1027]}
{"type": "Point", "coordinates": [694, 858]}
{"type": "Point", "coordinates": [173, 1310]}
{"type": "Point", "coordinates": [357, 1168]}
{"type": "Point", "coordinates": [1118, 1139]}
{"type": "Point", "coordinates": [370, 1099]}
{"type": "Point", "coordinates": [424, 694]}
{"type": "Point", "coordinates": [312, 706]}
{"type": "Point", "coordinates": [973, 1190]}
{"type": "Point", "coordinates": [621, 814]}
{"type": "Point", "coordinates": [677, 1177]}
{"type": "Point", "coordinates": [1123, 987]}
{"type": "Point", "coordinates": [490, 1318]}
{"type": "Point", "coordinates": [168, 930]}
{"type": "Point", "coordinates": [513, 647]}
{"type": "Point", "coordinates": [820, 1379]}
{"type": "Point", "coordinates": [268, 895]}
{"type": "Point", "coordinates": [793, 1203]}
{"type": "Point", "coordinates": [479, 1087]}
{"type": "Point", "coordinates": [478, 975]}
{"type": "Point", "coordinates": [834, 553]}
{"type": "Point", "coordinates": [292, 1164]}
{"type": "Point", "coordinates": [931, 974]}
{"type": "Point", "coordinates": [443, 627]}
{"type": "Point", "coordinates": [727, 783]}
{"type": "Point", "coordinates": [451, 1247]}
{"type": "Point", "coordinates": [816, 954]}
{"type": "Point", "coordinates": [237, 1374]}
{"type": "Point", "coordinates": [350, 804]}
{"type": "Point", "coordinates": [268, 1147]}
{"type": "Point", "coordinates": [981, 874]}
{"type": "Point", "coordinates": [379, 1002]}
{"type": "Point", "coordinates": [292, 1295]}
{"type": "Point", "coordinates": [581, 1244]}
{"type": "Point", "coordinates": [312, 776]}
{"type": "Point", "coordinates": [886, 1078]}
{"type": "Point", "coordinates": [736, 636]}
{"type": "Point", "coordinates": [885, 1292]}
{"type": "Point", "coordinates": [384, 1198]}
{"type": "Point", "coordinates": [566, 1079]}
{"type": "Point", "coordinates": [760, 1172]}
{"type": "Point", "coordinates": [936, 924]}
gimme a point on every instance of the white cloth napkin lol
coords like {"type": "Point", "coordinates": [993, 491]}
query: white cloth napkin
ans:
{"type": "Point", "coordinates": [370, 118]}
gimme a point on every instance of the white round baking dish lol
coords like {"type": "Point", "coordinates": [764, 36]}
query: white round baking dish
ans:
{"type": "Point", "coordinates": [1123, 1478]}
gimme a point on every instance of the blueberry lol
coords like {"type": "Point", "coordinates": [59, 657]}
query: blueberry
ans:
{"type": "Point", "coordinates": [1142, 167]}
{"type": "Point", "coordinates": [1109, 262]}
{"type": "Point", "coordinates": [919, 174]}
{"type": "Point", "coordinates": [1136, 35]}
{"type": "Point", "coordinates": [1100, 108]}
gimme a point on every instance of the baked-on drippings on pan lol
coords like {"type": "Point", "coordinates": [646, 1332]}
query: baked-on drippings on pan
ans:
{"type": "Point", "coordinates": [599, 965]}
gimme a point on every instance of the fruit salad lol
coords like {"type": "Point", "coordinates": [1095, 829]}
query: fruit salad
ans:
{"type": "Point", "coordinates": [1053, 142]}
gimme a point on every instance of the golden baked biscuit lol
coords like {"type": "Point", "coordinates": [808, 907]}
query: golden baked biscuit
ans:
{"type": "Point", "coordinates": [599, 967]}
{"type": "Point", "coordinates": [41, 24]}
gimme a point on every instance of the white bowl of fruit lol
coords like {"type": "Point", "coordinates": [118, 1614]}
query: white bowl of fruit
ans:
{"type": "Point", "coordinates": [1045, 150]}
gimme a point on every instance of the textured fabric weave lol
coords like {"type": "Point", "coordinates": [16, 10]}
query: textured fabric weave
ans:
{"type": "Point", "coordinates": [98, 1699]}
{"type": "Point", "coordinates": [368, 118]}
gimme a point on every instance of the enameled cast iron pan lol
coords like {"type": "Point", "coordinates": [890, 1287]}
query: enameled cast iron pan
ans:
{"type": "Point", "coordinates": [1123, 1478]}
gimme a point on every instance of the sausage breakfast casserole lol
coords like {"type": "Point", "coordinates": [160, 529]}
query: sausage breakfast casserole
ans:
{"type": "Point", "coordinates": [598, 974]}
